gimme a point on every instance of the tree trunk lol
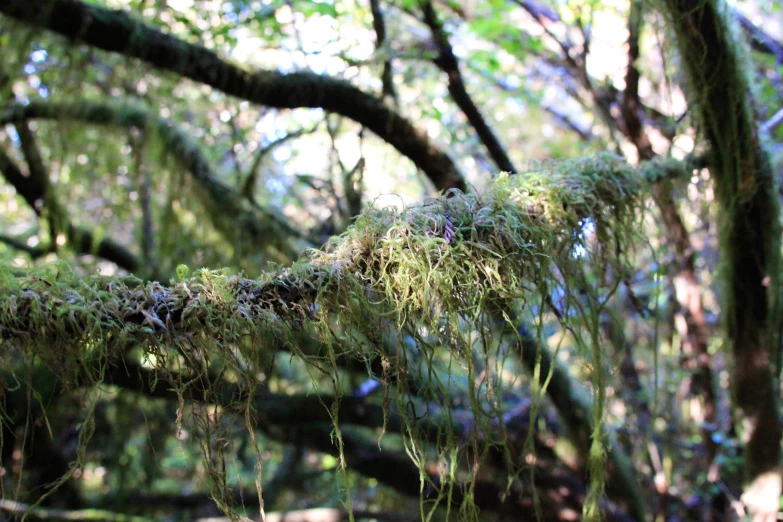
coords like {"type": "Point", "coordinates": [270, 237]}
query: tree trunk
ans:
{"type": "Point", "coordinates": [749, 234]}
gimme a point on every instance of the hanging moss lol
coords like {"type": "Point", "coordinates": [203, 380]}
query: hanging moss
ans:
{"type": "Point", "coordinates": [434, 275]}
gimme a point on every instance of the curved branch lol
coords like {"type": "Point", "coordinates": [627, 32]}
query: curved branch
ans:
{"type": "Point", "coordinates": [116, 31]}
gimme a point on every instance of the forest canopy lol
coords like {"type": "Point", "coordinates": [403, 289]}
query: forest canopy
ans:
{"type": "Point", "coordinates": [390, 260]}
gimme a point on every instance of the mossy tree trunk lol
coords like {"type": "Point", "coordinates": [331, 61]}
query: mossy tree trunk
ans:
{"type": "Point", "coordinates": [749, 234]}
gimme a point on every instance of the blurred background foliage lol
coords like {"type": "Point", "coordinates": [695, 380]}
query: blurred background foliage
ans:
{"type": "Point", "coordinates": [550, 79]}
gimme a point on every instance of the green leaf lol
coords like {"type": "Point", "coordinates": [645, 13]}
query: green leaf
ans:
{"type": "Point", "coordinates": [182, 272]}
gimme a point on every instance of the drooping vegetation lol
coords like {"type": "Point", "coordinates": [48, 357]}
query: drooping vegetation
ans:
{"type": "Point", "coordinates": [419, 276]}
{"type": "Point", "coordinates": [436, 346]}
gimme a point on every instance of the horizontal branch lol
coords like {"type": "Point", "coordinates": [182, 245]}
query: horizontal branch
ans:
{"type": "Point", "coordinates": [483, 245]}
{"type": "Point", "coordinates": [484, 241]}
{"type": "Point", "coordinates": [116, 31]}
{"type": "Point", "coordinates": [450, 257]}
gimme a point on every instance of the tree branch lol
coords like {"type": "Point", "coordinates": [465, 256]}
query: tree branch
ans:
{"type": "Point", "coordinates": [116, 31]}
{"type": "Point", "coordinates": [447, 62]}
{"type": "Point", "coordinates": [329, 281]}
{"type": "Point", "coordinates": [82, 240]}
{"type": "Point", "coordinates": [387, 77]}
{"type": "Point", "coordinates": [476, 254]}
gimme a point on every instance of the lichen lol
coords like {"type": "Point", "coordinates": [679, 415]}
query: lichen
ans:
{"type": "Point", "coordinates": [414, 288]}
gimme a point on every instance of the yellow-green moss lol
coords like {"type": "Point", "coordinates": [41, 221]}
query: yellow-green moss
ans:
{"type": "Point", "coordinates": [440, 274]}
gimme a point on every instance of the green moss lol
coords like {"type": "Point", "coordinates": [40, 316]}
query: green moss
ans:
{"type": "Point", "coordinates": [435, 277]}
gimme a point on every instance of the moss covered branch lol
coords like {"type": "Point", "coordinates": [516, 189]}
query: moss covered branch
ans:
{"type": "Point", "coordinates": [441, 254]}
{"type": "Point", "coordinates": [428, 277]}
